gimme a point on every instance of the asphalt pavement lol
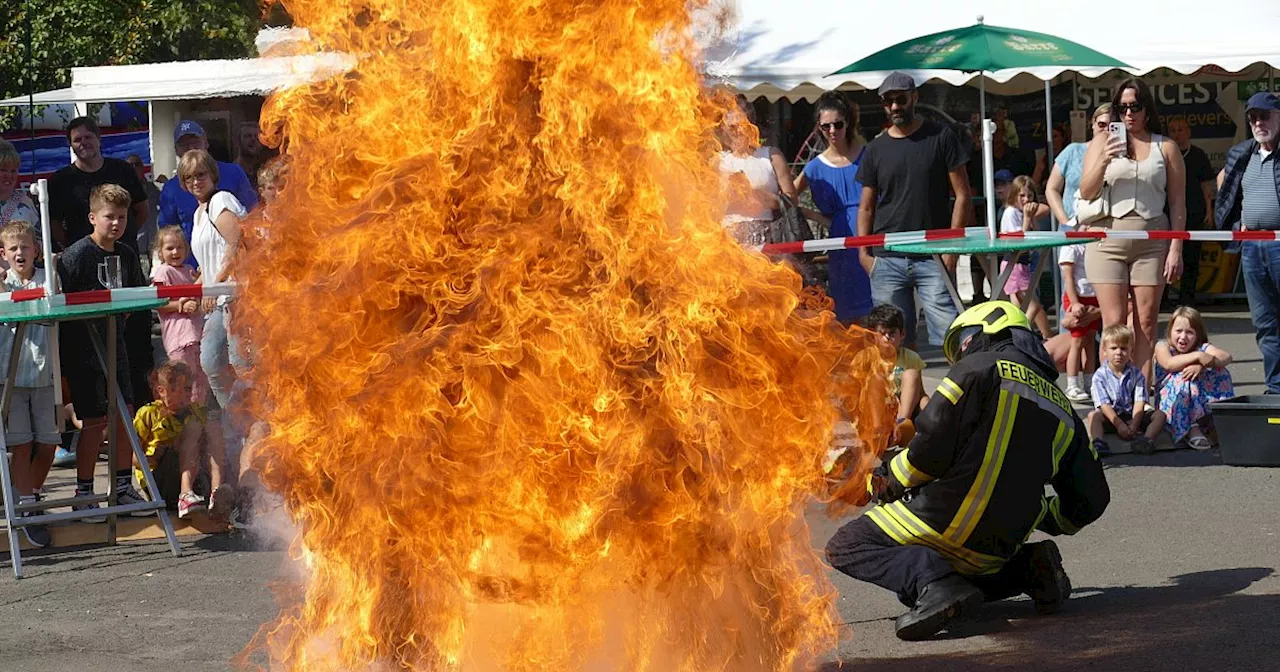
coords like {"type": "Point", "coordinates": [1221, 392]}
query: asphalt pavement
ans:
{"type": "Point", "coordinates": [1179, 574]}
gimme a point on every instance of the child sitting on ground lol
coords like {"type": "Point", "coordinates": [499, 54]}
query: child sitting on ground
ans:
{"type": "Point", "coordinates": [1021, 212]}
{"type": "Point", "coordinates": [174, 422]}
{"type": "Point", "coordinates": [908, 379]}
{"type": "Point", "coordinates": [1120, 394]}
{"type": "Point", "coordinates": [30, 425]}
{"type": "Point", "coordinates": [1081, 316]}
{"type": "Point", "coordinates": [1193, 373]}
{"type": "Point", "coordinates": [180, 319]}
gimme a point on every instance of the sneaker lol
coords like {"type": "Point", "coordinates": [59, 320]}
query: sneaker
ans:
{"type": "Point", "coordinates": [92, 506]}
{"type": "Point", "coordinates": [190, 503]}
{"type": "Point", "coordinates": [130, 495]}
{"type": "Point", "coordinates": [1050, 585]}
{"type": "Point", "coordinates": [37, 535]}
{"type": "Point", "coordinates": [1078, 396]}
{"type": "Point", "coordinates": [1101, 447]}
{"type": "Point", "coordinates": [64, 458]}
{"type": "Point", "coordinates": [221, 501]}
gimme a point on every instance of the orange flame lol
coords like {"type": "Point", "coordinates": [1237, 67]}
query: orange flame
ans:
{"type": "Point", "coordinates": [529, 406]}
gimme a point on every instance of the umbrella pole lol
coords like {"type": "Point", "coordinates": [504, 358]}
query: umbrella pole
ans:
{"type": "Point", "coordinates": [1053, 221]}
{"type": "Point", "coordinates": [988, 178]}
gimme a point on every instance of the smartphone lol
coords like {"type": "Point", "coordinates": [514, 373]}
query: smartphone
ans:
{"type": "Point", "coordinates": [1116, 129]}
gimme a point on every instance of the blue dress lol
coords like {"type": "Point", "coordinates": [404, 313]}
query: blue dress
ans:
{"type": "Point", "coordinates": [837, 193]}
{"type": "Point", "coordinates": [1186, 402]}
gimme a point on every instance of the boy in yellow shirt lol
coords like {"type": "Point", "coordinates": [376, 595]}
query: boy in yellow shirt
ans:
{"type": "Point", "coordinates": [908, 370]}
{"type": "Point", "coordinates": [172, 422]}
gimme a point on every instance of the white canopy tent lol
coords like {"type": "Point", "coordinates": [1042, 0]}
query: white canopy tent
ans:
{"type": "Point", "coordinates": [161, 83]}
{"type": "Point", "coordinates": [787, 49]}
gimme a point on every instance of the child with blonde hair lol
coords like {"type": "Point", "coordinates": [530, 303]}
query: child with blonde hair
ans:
{"type": "Point", "coordinates": [1120, 395]}
{"type": "Point", "coordinates": [1192, 373]}
{"type": "Point", "coordinates": [181, 322]}
{"type": "Point", "coordinates": [1021, 212]}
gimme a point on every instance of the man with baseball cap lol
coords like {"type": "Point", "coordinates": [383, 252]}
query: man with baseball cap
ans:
{"type": "Point", "coordinates": [177, 205]}
{"type": "Point", "coordinates": [908, 174]}
{"type": "Point", "coordinates": [1249, 197]}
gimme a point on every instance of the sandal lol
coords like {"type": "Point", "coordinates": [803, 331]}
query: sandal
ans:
{"type": "Point", "coordinates": [1200, 442]}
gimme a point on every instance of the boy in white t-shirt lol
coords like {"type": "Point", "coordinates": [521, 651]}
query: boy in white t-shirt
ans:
{"type": "Point", "coordinates": [1081, 316]}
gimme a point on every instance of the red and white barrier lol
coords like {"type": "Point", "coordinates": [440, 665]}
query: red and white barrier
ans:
{"type": "Point", "coordinates": [879, 240]}
{"type": "Point", "coordinates": [124, 294]}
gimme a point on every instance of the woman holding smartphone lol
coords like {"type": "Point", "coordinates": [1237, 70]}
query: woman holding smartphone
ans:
{"type": "Point", "coordinates": [1144, 174]}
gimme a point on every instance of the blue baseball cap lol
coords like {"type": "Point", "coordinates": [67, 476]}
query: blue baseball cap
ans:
{"type": "Point", "coordinates": [1004, 175]}
{"type": "Point", "coordinates": [188, 127]}
{"type": "Point", "coordinates": [1262, 100]}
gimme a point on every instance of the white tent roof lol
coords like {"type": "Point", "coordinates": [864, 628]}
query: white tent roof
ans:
{"type": "Point", "coordinates": [788, 48]}
{"type": "Point", "coordinates": [191, 80]}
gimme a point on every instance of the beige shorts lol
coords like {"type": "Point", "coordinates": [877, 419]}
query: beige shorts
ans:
{"type": "Point", "coordinates": [1127, 262]}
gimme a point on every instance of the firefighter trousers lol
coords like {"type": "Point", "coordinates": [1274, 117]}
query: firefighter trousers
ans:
{"type": "Point", "coordinates": [863, 551]}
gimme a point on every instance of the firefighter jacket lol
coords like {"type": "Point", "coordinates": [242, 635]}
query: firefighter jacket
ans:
{"type": "Point", "coordinates": [995, 432]}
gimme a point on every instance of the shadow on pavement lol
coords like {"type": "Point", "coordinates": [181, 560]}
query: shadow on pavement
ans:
{"type": "Point", "coordinates": [1197, 623]}
{"type": "Point", "coordinates": [1184, 457]}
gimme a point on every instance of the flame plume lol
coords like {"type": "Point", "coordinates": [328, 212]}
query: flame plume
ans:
{"type": "Point", "coordinates": [529, 405]}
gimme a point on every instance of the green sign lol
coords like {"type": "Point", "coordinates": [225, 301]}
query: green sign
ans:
{"type": "Point", "coordinates": [1246, 89]}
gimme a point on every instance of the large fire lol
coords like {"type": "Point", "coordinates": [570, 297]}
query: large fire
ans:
{"type": "Point", "coordinates": [529, 405]}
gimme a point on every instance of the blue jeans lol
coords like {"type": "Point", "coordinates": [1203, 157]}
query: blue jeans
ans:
{"type": "Point", "coordinates": [218, 349]}
{"type": "Point", "coordinates": [1260, 264]}
{"type": "Point", "coordinates": [898, 280]}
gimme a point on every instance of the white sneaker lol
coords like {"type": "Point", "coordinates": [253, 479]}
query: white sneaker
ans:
{"type": "Point", "coordinates": [92, 506]}
{"type": "Point", "coordinates": [1078, 396]}
{"type": "Point", "coordinates": [130, 495]}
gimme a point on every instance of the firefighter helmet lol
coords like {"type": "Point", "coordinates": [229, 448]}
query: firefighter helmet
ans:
{"type": "Point", "coordinates": [990, 317]}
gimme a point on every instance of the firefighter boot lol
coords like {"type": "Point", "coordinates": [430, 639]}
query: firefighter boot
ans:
{"type": "Point", "coordinates": [939, 603]}
{"type": "Point", "coordinates": [1049, 585]}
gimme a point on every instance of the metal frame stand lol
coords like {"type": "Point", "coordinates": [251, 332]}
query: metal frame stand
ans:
{"type": "Point", "coordinates": [116, 410]}
{"type": "Point", "coordinates": [990, 263]}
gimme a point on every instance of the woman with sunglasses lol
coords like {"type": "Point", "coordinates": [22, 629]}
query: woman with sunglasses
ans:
{"type": "Point", "coordinates": [1145, 178]}
{"type": "Point", "coordinates": [831, 177]}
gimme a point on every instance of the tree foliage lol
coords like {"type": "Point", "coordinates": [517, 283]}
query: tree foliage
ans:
{"type": "Point", "coordinates": [41, 40]}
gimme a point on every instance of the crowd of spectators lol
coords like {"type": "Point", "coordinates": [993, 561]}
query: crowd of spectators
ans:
{"type": "Point", "coordinates": [112, 228]}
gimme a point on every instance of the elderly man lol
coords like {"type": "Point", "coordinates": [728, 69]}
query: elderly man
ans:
{"type": "Point", "coordinates": [1249, 194]}
{"type": "Point", "coordinates": [177, 205]}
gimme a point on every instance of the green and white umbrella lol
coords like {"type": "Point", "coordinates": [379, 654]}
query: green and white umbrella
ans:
{"type": "Point", "coordinates": [981, 48]}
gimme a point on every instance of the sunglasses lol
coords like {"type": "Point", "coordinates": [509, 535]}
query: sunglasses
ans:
{"type": "Point", "coordinates": [1130, 107]}
{"type": "Point", "coordinates": [832, 126]}
{"type": "Point", "coordinates": [1258, 117]}
{"type": "Point", "coordinates": [901, 100]}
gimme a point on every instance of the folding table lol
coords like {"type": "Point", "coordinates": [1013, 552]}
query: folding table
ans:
{"type": "Point", "coordinates": [43, 312]}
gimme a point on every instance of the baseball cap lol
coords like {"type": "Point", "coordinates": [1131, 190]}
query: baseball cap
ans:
{"type": "Point", "coordinates": [188, 127]}
{"type": "Point", "coordinates": [897, 81]}
{"type": "Point", "coordinates": [1004, 175]}
{"type": "Point", "coordinates": [1262, 100]}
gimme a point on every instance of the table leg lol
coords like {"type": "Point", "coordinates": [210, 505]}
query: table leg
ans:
{"type": "Point", "coordinates": [1034, 290]}
{"type": "Point", "coordinates": [113, 386]}
{"type": "Point", "coordinates": [11, 497]}
{"type": "Point", "coordinates": [951, 283]}
{"type": "Point", "coordinates": [116, 402]}
{"type": "Point", "coordinates": [997, 292]}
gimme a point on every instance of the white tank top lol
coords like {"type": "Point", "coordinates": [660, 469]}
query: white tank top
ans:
{"type": "Point", "coordinates": [1138, 186]}
{"type": "Point", "coordinates": [758, 169]}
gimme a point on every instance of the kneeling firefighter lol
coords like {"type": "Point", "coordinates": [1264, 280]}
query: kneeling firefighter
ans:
{"type": "Point", "coordinates": [957, 506]}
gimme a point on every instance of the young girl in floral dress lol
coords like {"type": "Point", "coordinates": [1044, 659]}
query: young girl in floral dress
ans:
{"type": "Point", "coordinates": [1192, 373]}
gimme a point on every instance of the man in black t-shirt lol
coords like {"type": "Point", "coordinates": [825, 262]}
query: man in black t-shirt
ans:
{"type": "Point", "coordinates": [908, 175]}
{"type": "Point", "coordinates": [1201, 184]}
{"type": "Point", "coordinates": [69, 188]}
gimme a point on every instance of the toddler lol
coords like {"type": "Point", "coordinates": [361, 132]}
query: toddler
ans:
{"type": "Point", "coordinates": [1021, 211]}
{"type": "Point", "coordinates": [1192, 373]}
{"type": "Point", "coordinates": [174, 421]}
{"type": "Point", "coordinates": [180, 320]}
{"type": "Point", "coordinates": [1120, 394]}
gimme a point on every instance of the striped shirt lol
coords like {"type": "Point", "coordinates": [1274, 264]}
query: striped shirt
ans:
{"type": "Point", "coordinates": [1122, 391]}
{"type": "Point", "coordinates": [34, 369]}
{"type": "Point", "coordinates": [1260, 205]}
